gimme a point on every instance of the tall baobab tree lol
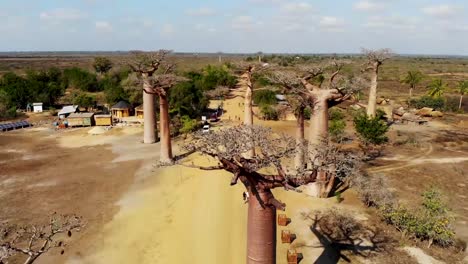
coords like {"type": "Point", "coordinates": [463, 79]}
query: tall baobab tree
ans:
{"type": "Point", "coordinates": [375, 59]}
{"type": "Point", "coordinates": [145, 65]}
{"type": "Point", "coordinates": [246, 81]}
{"type": "Point", "coordinates": [156, 76]}
{"type": "Point", "coordinates": [229, 146]}
{"type": "Point", "coordinates": [413, 78]}
{"type": "Point", "coordinates": [332, 89]}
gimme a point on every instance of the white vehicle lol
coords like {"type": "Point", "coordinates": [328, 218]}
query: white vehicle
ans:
{"type": "Point", "coordinates": [206, 128]}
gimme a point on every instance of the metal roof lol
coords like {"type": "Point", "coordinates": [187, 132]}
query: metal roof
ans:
{"type": "Point", "coordinates": [80, 115]}
{"type": "Point", "coordinates": [102, 116]}
{"type": "Point", "coordinates": [37, 104]}
{"type": "Point", "coordinates": [121, 105]}
{"type": "Point", "coordinates": [280, 97]}
{"type": "Point", "coordinates": [68, 110]}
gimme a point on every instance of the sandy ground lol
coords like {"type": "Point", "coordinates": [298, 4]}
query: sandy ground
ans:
{"type": "Point", "coordinates": [165, 215]}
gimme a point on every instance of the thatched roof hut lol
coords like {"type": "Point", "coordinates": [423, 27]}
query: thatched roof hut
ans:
{"type": "Point", "coordinates": [121, 109]}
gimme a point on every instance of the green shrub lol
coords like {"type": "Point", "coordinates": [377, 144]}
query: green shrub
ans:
{"type": "Point", "coordinates": [80, 79]}
{"type": "Point", "coordinates": [337, 124]}
{"type": "Point", "coordinates": [264, 97]}
{"type": "Point", "coordinates": [430, 222]}
{"type": "Point", "coordinates": [371, 130]}
{"type": "Point", "coordinates": [188, 125]}
{"type": "Point", "coordinates": [269, 113]}
{"type": "Point", "coordinates": [436, 103]}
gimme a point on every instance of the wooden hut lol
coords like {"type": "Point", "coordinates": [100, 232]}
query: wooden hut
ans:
{"type": "Point", "coordinates": [121, 109]}
{"type": "Point", "coordinates": [80, 119]}
{"type": "Point", "coordinates": [139, 112]}
{"type": "Point", "coordinates": [103, 120]}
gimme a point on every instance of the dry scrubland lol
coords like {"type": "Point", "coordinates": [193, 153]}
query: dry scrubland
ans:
{"type": "Point", "coordinates": [137, 213]}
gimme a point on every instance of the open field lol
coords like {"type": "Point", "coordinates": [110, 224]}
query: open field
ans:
{"type": "Point", "coordinates": [136, 212]}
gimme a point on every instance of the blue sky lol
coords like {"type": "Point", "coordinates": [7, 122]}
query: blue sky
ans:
{"type": "Point", "coordinates": [313, 26]}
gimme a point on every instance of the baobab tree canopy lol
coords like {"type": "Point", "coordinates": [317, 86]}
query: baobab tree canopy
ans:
{"type": "Point", "coordinates": [273, 151]}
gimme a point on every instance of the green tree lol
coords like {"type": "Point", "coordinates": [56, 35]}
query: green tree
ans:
{"type": "Point", "coordinates": [102, 65]}
{"type": "Point", "coordinates": [84, 100]}
{"type": "Point", "coordinates": [436, 88]}
{"type": "Point", "coordinates": [187, 99]}
{"type": "Point", "coordinates": [413, 78]}
{"type": "Point", "coordinates": [462, 89]}
{"type": "Point", "coordinates": [371, 130]}
{"type": "Point", "coordinates": [80, 79]}
{"type": "Point", "coordinates": [188, 125]}
{"type": "Point", "coordinates": [264, 97]}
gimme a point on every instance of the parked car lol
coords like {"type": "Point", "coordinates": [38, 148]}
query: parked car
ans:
{"type": "Point", "coordinates": [206, 128]}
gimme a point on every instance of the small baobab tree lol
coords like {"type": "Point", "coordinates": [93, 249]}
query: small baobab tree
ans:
{"type": "Point", "coordinates": [462, 89]}
{"type": "Point", "coordinates": [375, 59]}
{"type": "Point", "coordinates": [156, 76]}
{"type": "Point", "coordinates": [261, 173]}
{"type": "Point", "coordinates": [412, 78]}
{"type": "Point", "coordinates": [321, 88]}
{"type": "Point", "coordinates": [33, 241]}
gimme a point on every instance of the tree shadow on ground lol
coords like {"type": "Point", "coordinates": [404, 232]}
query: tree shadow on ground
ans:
{"type": "Point", "coordinates": [341, 236]}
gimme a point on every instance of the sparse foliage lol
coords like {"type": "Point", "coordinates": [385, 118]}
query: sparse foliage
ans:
{"type": "Point", "coordinates": [35, 240]}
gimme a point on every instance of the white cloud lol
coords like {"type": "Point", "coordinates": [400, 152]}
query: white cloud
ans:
{"type": "Point", "coordinates": [167, 30]}
{"type": "Point", "coordinates": [245, 23]}
{"type": "Point", "coordinates": [62, 15]}
{"type": "Point", "coordinates": [205, 28]}
{"type": "Point", "coordinates": [330, 23]}
{"type": "Point", "coordinates": [297, 7]}
{"type": "Point", "coordinates": [441, 11]}
{"type": "Point", "coordinates": [392, 22]}
{"type": "Point", "coordinates": [370, 5]}
{"type": "Point", "coordinates": [103, 26]}
{"type": "Point", "coordinates": [202, 11]}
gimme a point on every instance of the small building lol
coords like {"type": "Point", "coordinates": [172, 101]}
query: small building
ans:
{"type": "Point", "coordinates": [67, 110]}
{"type": "Point", "coordinates": [103, 120]}
{"type": "Point", "coordinates": [80, 119]}
{"type": "Point", "coordinates": [281, 98]}
{"type": "Point", "coordinates": [37, 107]}
{"type": "Point", "coordinates": [121, 109]}
{"type": "Point", "coordinates": [139, 112]}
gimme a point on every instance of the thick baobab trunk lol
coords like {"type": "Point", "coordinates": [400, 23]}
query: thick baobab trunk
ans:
{"type": "Point", "coordinates": [166, 147]}
{"type": "Point", "coordinates": [149, 134]}
{"type": "Point", "coordinates": [261, 230]}
{"type": "Point", "coordinates": [318, 133]}
{"type": "Point", "coordinates": [373, 94]}
{"type": "Point", "coordinates": [248, 113]}
{"type": "Point", "coordinates": [461, 102]}
{"type": "Point", "coordinates": [300, 140]}
{"type": "Point", "coordinates": [318, 130]}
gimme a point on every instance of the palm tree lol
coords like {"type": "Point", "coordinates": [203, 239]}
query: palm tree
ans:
{"type": "Point", "coordinates": [412, 78]}
{"type": "Point", "coordinates": [462, 89]}
{"type": "Point", "coordinates": [436, 88]}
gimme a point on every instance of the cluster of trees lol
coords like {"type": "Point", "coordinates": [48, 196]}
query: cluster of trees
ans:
{"type": "Point", "coordinates": [37, 86]}
{"type": "Point", "coordinates": [435, 90]}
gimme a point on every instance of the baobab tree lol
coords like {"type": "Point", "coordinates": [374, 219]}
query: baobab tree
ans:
{"type": "Point", "coordinates": [33, 241]}
{"type": "Point", "coordinates": [229, 146]}
{"type": "Point", "coordinates": [375, 59]}
{"type": "Point", "coordinates": [329, 90]}
{"type": "Point", "coordinates": [246, 81]}
{"type": "Point", "coordinates": [156, 77]}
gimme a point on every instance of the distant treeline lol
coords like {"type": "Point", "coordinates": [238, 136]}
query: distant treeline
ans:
{"type": "Point", "coordinates": [49, 86]}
